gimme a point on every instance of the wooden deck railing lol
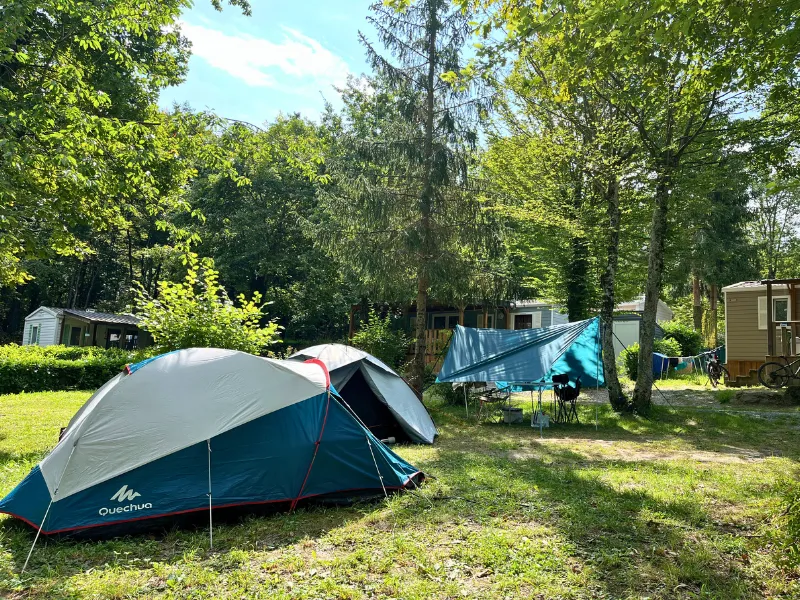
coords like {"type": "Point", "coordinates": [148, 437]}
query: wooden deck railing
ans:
{"type": "Point", "coordinates": [436, 341]}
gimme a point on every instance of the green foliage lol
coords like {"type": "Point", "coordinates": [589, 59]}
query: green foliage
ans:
{"type": "Point", "coordinates": [14, 352]}
{"type": "Point", "coordinates": [52, 368]}
{"type": "Point", "coordinates": [239, 230]}
{"type": "Point", "coordinates": [629, 357]}
{"type": "Point", "coordinates": [725, 396]}
{"type": "Point", "coordinates": [378, 337]}
{"type": "Point", "coordinates": [448, 394]}
{"type": "Point", "coordinates": [788, 523]}
{"type": "Point", "coordinates": [197, 313]}
{"type": "Point", "coordinates": [84, 142]}
{"type": "Point", "coordinates": [689, 340]}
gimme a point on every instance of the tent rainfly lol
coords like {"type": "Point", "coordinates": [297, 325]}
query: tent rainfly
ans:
{"type": "Point", "coordinates": [527, 355]}
{"type": "Point", "coordinates": [375, 393]}
{"type": "Point", "coordinates": [199, 429]}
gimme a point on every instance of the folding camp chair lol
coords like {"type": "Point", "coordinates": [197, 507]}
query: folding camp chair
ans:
{"type": "Point", "coordinates": [566, 398]}
{"type": "Point", "coordinates": [492, 401]}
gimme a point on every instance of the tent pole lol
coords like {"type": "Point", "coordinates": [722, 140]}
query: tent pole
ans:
{"type": "Point", "coordinates": [466, 408]}
{"type": "Point", "coordinates": [210, 517]}
{"type": "Point", "coordinates": [47, 512]}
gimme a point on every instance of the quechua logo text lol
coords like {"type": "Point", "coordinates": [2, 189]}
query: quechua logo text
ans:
{"type": "Point", "coordinates": [124, 494]}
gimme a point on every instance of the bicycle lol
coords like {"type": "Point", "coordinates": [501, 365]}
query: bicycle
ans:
{"type": "Point", "coordinates": [716, 372]}
{"type": "Point", "coordinates": [776, 375]}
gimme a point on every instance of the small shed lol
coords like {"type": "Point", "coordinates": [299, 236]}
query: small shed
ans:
{"type": "Point", "coordinates": [48, 326]}
{"type": "Point", "coordinates": [628, 319]}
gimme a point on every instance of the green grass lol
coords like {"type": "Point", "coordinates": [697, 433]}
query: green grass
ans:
{"type": "Point", "coordinates": [677, 506]}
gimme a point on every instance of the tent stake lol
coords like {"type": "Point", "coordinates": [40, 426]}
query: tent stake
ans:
{"type": "Point", "coordinates": [210, 517]}
{"type": "Point", "coordinates": [47, 512]}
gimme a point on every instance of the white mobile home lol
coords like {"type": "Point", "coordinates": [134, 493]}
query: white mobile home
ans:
{"type": "Point", "coordinates": [48, 326]}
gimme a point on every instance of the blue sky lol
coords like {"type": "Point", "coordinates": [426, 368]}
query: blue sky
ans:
{"type": "Point", "coordinates": [283, 58]}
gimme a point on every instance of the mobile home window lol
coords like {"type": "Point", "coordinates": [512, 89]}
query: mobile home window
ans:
{"type": "Point", "coordinates": [781, 311]}
{"type": "Point", "coordinates": [528, 321]}
{"type": "Point", "coordinates": [33, 337]}
{"type": "Point", "coordinates": [445, 321]}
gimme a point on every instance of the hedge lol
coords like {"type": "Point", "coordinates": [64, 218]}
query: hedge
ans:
{"type": "Point", "coordinates": [55, 368]}
{"type": "Point", "coordinates": [691, 341]}
{"type": "Point", "coordinates": [630, 355]}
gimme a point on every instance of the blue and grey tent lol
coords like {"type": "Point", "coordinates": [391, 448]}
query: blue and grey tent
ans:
{"type": "Point", "coordinates": [381, 399]}
{"type": "Point", "coordinates": [199, 429]}
{"type": "Point", "coordinates": [527, 355]}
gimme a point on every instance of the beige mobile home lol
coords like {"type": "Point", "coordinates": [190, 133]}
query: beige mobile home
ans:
{"type": "Point", "coordinates": [761, 324]}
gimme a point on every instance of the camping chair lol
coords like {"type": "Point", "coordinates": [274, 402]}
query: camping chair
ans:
{"type": "Point", "coordinates": [566, 398]}
{"type": "Point", "coordinates": [492, 401]}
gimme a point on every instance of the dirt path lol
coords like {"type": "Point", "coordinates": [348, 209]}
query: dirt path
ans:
{"type": "Point", "coordinates": [628, 452]}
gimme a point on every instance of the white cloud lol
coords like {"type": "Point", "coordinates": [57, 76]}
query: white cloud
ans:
{"type": "Point", "coordinates": [297, 63]}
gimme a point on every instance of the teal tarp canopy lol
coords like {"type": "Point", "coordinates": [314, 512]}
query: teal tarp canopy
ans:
{"type": "Point", "coordinates": [526, 355]}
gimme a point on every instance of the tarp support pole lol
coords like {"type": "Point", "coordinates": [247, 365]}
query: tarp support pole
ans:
{"type": "Point", "coordinates": [600, 326]}
{"type": "Point", "coordinates": [210, 518]}
{"type": "Point", "coordinates": [599, 345]}
{"type": "Point", "coordinates": [466, 408]}
{"type": "Point", "coordinates": [47, 512]}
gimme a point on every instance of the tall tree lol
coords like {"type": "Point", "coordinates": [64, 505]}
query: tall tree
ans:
{"type": "Point", "coordinates": [561, 155]}
{"type": "Point", "coordinates": [407, 183]}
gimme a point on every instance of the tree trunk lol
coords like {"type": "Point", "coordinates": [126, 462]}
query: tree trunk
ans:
{"type": "Point", "coordinates": [697, 302]}
{"type": "Point", "coordinates": [425, 206]}
{"type": "Point", "coordinates": [418, 371]}
{"type": "Point", "coordinates": [577, 281]}
{"type": "Point", "coordinates": [608, 283]}
{"type": "Point", "coordinates": [95, 269]}
{"type": "Point", "coordinates": [643, 391]}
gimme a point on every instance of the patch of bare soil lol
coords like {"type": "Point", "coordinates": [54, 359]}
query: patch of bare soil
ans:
{"type": "Point", "coordinates": [623, 451]}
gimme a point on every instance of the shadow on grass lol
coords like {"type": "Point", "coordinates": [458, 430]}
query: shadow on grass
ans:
{"type": "Point", "coordinates": [629, 540]}
{"type": "Point", "coordinates": [64, 557]}
{"type": "Point", "coordinates": [703, 430]}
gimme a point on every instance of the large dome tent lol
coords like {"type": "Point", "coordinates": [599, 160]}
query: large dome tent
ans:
{"type": "Point", "coordinates": [381, 399]}
{"type": "Point", "coordinates": [158, 440]}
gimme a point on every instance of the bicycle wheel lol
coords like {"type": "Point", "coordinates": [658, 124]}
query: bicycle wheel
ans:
{"type": "Point", "coordinates": [724, 377]}
{"type": "Point", "coordinates": [774, 375]}
{"type": "Point", "coordinates": [714, 374]}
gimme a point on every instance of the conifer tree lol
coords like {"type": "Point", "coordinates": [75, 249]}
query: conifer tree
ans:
{"type": "Point", "coordinates": [402, 157]}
